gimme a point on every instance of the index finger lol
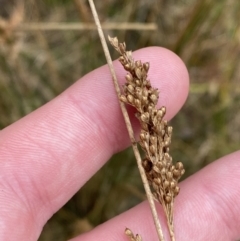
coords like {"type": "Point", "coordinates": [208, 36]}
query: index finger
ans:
{"type": "Point", "coordinates": [48, 155]}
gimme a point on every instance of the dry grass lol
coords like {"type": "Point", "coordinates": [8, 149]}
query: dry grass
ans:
{"type": "Point", "coordinates": [156, 166]}
{"type": "Point", "coordinates": [35, 66]}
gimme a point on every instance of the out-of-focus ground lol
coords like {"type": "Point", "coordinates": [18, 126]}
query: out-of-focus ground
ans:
{"type": "Point", "coordinates": [36, 65]}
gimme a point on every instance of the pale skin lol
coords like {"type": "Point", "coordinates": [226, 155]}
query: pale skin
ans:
{"type": "Point", "coordinates": [47, 156]}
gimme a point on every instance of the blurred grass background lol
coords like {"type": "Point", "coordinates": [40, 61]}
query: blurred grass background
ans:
{"type": "Point", "coordinates": [36, 65]}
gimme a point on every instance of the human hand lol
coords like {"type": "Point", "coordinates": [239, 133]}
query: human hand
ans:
{"type": "Point", "coordinates": [48, 155]}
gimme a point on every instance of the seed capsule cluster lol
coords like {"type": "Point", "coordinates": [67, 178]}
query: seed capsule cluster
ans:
{"type": "Point", "coordinates": [155, 135]}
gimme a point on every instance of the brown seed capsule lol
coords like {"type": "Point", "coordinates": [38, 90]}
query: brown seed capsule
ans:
{"type": "Point", "coordinates": [144, 126]}
{"type": "Point", "coordinates": [152, 149]}
{"type": "Point", "coordinates": [150, 108]}
{"type": "Point", "coordinates": [147, 136]}
{"type": "Point", "coordinates": [163, 109]}
{"type": "Point", "coordinates": [159, 128]}
{"type": "Point", "coordinates": [155, 92]}
{"type": "Point", "coordinates": [163, 171]}
{"type": "Point", "coordinates": [122, 60]}
{"type": "Point", "coordinates": [144, 100]}
{"type": "Point", "coordinates": [147, 83]}
{"type": "Point", "coordinates": [122, 47]}
{"type": "Point", "coordinates": [159, 114]}
{"type": "Point", "coordinates": [169, 130]}
{"type": "Point", "coordinates": [154, 111]}
{"type": "Point", "coordinates": [157, 181]}
{"type": "Point", "coordinates": [145, 92]}
{"type": "Point", "coordinates": [154, 98]}
{"type": "Point", "coordinates": [130, 88]}
{"type": "Point", "coordinates": [166, 143]}
{"type": "Point", "coordinates": [166, 149]}
{"type": "Point", "coordinates": [138, 63]}
{"type": "Point", "coordinates": [146, 66]}
{"type": "Point", "coordinates": [166, 184]}
{"type": "Point", "coordinates": [145, 117]}
{"type": "Point", "coordinates": [156, 169]}
{"type": "Point", "coordinates": [128, 232]}
{"type": "Point", "coordinates": [138, 73]}
{"type": "Point", "coordinates": [163, 132]}
{"type": "Point", "coordinates": [144, 73]}
{"type": "Point", "coordinates": [129, 55]}
{"type": "Point", "coordinates": [154, 160]}
{"type": "Point", "coordinates": [138, 92]}
{"type": "Point", "coordinates": [168, 198]}
{"type": "Point", "coordinates": [142, 136]}
{"type": "Point", "coordinates": [123, 98]}
{"type": "Point", "coordinates": [153, 139]}
{"type": "Point", "coordinates": [173, 185]}
{"type": "Point", "coordinates": [130, 99]}
{"type": "Point", "coordinates": [176, 173]}
{"type": "Point", "coordinates": [179, 166]}
{"type": "Point", "coordinates": [160, 165]}
{"type": "Point", "coordinates": [138, 83]}
{"type": "Point", "coordinates": [176, 191]}
{"type": "Point", "coordinates": [169, 176]}
{"type": "Point", "coordinates": [113, 41]}
{"type": "Point", "coordinates": [154, 120]}
{"type": "Point", "coordinates": [166, 156]}
{"type": "Point", "coordinates": [137, 103]}
{"type": "Point", "coordinates": [127, 67]}
{"type": "Point", "coordinates": [147, 165]}
{"type": "Point", "coordinates": [138, 237]}
{"type": "Point", "coordinates": [155, 186]}
{"type": "Point", "coordinates": [128, 77]}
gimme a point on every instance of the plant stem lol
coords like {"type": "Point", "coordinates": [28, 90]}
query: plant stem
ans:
{"type": "Point", "coordinates": [84, 26]}
{"type": "Point", "coordinates": [169, 216]}
{"type": "Point", "coordinates": [128, 124]}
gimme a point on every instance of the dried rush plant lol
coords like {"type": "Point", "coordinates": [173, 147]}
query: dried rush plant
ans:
{"type": "Point", "coordinates": [155, 134]}
{"type": "Point", "coordinates": [156, 168]}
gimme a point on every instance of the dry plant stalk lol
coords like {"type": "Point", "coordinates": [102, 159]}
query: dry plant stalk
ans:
{"type": "Point", "coordinates": [157, 168]}
{"type": "Point", "coordinates": [128, 124]}
{"type": "Point", "coordinates": [155, 135]}
{"type": "Point", "coordinates": [85, 26]}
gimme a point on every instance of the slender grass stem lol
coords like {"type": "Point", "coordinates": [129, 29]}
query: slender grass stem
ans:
{"type": "Point", "coordinates": [128, 124]}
